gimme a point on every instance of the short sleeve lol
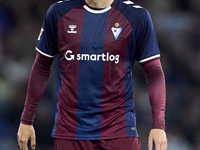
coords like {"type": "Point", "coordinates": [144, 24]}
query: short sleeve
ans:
{"type": "Point", "coordinates": [146, 41]}
{"type": "Point", "coordinates": [47, 43]}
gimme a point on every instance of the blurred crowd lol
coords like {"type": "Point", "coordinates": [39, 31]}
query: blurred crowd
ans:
{"type": "Point", "coordinates": [177, 25]}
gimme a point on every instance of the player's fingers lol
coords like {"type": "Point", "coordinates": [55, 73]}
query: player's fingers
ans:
{"type": "Point", "coordinates": [158, 145]}
{"type": "Point", "coordinates": [24, 146]}
{"type": "Point", "coordinates": [164, 145]}
{"type": "Point", "coordinates": [33, 142]}
{"type": "Point", "coordinates": [150, 143]}
{"type": "Point", "coordinates": [19, 142]}
{"type": "Point", "coordinates": [24, 143]}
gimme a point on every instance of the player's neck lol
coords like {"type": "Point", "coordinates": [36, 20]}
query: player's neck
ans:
{"type": "Point", "coordinates": [99, 3]}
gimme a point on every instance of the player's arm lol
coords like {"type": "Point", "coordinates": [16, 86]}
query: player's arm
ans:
{"type": "Point", "coordinates": [157, 95]}
{"type": "Point", "coordinates": [40, 73]}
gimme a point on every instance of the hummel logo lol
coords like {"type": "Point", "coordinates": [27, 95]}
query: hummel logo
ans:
{"type": "Point", "coordinates": [72, 27]}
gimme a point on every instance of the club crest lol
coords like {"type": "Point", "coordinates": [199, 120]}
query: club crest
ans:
{"type": "Point", "coordinates": [116, 30]}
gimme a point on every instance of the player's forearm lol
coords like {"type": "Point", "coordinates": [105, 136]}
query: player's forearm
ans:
{"type": "Point", "coordinates": [40, 73]}
{"type": "Point", "coordinates": [157, 91]}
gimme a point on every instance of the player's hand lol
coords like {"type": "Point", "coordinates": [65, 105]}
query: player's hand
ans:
{"type": "Point", "coordinates": [26, 133]}
{"type": "Point", "coordinates": [158, 136]}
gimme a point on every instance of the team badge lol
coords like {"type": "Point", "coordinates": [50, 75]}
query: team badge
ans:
{"type": "Point", "coordinates": [116, 30]}
{"type": "Point", "coordinates": [41, 31]}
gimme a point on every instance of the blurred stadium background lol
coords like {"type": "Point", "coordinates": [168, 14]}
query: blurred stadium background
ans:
{"type": "Point", "coordinates": [177, 25]}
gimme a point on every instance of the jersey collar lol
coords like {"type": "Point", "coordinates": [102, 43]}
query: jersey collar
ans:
{"type": "Point", "coordinates": [95, 11]}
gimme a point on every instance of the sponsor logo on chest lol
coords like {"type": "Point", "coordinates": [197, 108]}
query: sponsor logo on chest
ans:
{"type": "Point", "coordinates": [92, 57]}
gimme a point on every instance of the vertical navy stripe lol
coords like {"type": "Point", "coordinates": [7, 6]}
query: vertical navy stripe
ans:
{"type": "Point", "coordinates": [130, 111]}
{"type": "Point", "coordinates": [57, 94]}
{"type": "Point", "coordinates": [91, 75]}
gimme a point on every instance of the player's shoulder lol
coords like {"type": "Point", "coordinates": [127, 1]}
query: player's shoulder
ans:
{"type": "Point", "coordinates": [64, 5]}
{"type": "Point", "coordinates": [133, 12]}
{"type": "Point", "coordinates": [130, 8]}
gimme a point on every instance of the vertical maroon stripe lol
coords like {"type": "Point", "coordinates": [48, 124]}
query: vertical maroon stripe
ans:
{"type": "Point", "coordinates": [67, 122]}
{"type": "Point", "coordinates": [113, 92]}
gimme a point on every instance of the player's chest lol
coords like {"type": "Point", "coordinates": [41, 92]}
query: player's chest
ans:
{"type": "Point", "coordinates": [82, 29]}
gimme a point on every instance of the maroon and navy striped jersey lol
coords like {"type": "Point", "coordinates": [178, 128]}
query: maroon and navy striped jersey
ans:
{"type": "Point", "coordinates": [96, 50]}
